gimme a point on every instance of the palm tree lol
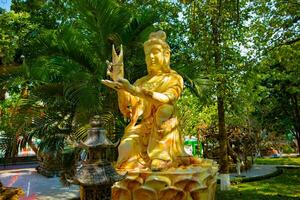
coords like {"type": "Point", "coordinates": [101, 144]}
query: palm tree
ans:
{"type": "Point", "coordinates": [65, 72]}
{"type": "Point", "coordinates": [74, 56]}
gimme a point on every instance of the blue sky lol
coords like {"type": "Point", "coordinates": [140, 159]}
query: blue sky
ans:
{"type": "Point", "coordinates": [5, 4]}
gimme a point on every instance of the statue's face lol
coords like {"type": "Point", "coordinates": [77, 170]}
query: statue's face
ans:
{"type": "Point", "coordinates": [155, 58]}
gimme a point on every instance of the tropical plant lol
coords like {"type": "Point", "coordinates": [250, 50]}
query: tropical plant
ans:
{"type": "Point", "coordinates": [65, 71]}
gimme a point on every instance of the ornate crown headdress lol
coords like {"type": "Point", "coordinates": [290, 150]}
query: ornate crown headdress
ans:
{"type": "Point", "coordinates": [158, 37]}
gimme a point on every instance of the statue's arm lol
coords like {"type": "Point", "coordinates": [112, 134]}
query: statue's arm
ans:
{"type": "Point", "coordinates": [169, 96]}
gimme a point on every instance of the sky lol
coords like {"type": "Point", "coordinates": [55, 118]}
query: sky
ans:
{"type": "Point", "coordinates": [5, 4]}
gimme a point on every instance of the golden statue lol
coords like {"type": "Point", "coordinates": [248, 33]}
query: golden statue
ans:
{"type": "Point", "coordinates": [151, 139]}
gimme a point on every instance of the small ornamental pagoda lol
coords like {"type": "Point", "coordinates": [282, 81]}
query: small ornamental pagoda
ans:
{"type": "Point", "coordinates": [96, 175]}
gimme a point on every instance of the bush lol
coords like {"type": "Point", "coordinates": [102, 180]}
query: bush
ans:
{"type": "Point", "coordinates": [288, 149]}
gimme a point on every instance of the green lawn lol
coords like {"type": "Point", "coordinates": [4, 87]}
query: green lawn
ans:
{"type": "Point", "coordinates": [278, 161]}
{"type": "Point", "coordinates": [283, 187]}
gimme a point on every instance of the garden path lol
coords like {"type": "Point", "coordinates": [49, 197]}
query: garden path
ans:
{"type": "Point", "coordinates": [35, 185]}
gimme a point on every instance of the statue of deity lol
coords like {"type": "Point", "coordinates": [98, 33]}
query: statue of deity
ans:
{"type": "Point", "coordinates": [152, 139]}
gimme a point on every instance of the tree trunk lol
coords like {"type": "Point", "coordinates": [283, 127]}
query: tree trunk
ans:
{"type": "Point", "coordinates": [223, 139]}
{"type": "Point", "coordinates": [2, 94]}
{"type": "Point", "coordinates": [296, 117]}
{"type": "Point", "coordinates": [298, 142]}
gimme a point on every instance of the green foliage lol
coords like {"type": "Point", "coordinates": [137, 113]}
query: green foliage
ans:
{"type": "Point", "coordinates": [14, 28]}
{"type": "Point", "coordinates": [288, 148]}
{"type": "Point", "coordinates": [274, 23]}
{"type": "Point", "coordinates": [13, 123]}
{"type": "Point", "coordinates": [66, 62]}
{"type": "Point", "coordinates": [246, 33]}
{"type": "Point", "coordinates": [74, 55]}
{"type": "Point", "coordinates": [192, 114]}
{"type": "Point", "coordinates": [246, 53]}
{"type": "Point", "coordinates": [279, 80]}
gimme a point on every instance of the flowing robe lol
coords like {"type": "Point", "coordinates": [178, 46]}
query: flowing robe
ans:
{"type": "Point", "coordinates": [153, 129]}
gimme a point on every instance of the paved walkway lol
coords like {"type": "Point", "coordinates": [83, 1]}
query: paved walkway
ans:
{"type": "Point", "coordinates": [37, 186]}
{"type": "Point", "coordinates": [256, 171]}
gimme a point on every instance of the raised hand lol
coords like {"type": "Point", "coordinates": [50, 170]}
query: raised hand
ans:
{"type": "Point", "coordinates": [120, 84]}
{"type": "Point", "coordinates": [116, 72]}
{"type": "Point", "coordinates": [115, 68]}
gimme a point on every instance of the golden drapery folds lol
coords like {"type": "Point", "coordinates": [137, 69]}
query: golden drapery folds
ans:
{"type": "Point", "coordinates": [152, 139]}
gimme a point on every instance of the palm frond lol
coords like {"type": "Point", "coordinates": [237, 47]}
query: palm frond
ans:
{"type": "Point", "coordinates": [81, 133]}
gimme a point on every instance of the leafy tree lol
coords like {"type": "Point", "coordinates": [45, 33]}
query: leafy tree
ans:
{"type": "Point", "coordinates": [275, 52]}
{"type": "Point", "coordinates": [279, 108]}
{"type": "Point", "coordinates": [67, 63]}
{"type": "Point", "coordinates": [15, 27]}
{"type": "Point", "coordinates": [192, 114]}
{"type": "Point", "coordinates": [17, 37]}
{"type": "Point", "coordinates": [79, 49]}
{"type": "Point", "coordinates": [216, 32]}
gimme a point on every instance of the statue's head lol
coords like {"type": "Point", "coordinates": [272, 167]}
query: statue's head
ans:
{"type": "Point", "coordinates": [157, 53]}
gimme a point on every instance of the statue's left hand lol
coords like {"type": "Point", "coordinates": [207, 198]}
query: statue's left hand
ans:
{"type": "Point", "coordinates": [112, 84]}
{"type": "Point", "coordinates": [121, 84]}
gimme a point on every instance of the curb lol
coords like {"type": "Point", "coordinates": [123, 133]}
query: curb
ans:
{"type": "Point", "coordinates": [17, 166]}
{"type": "Point", "coordinates": [279, 170]}
{"type": "Point", "coordinates": [288, 166]}
{"type": "Point", "coordinates": [257, 178]}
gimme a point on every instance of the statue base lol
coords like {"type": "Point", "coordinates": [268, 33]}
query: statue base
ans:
{"type": "Point", "coordinates": [193, 182]}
